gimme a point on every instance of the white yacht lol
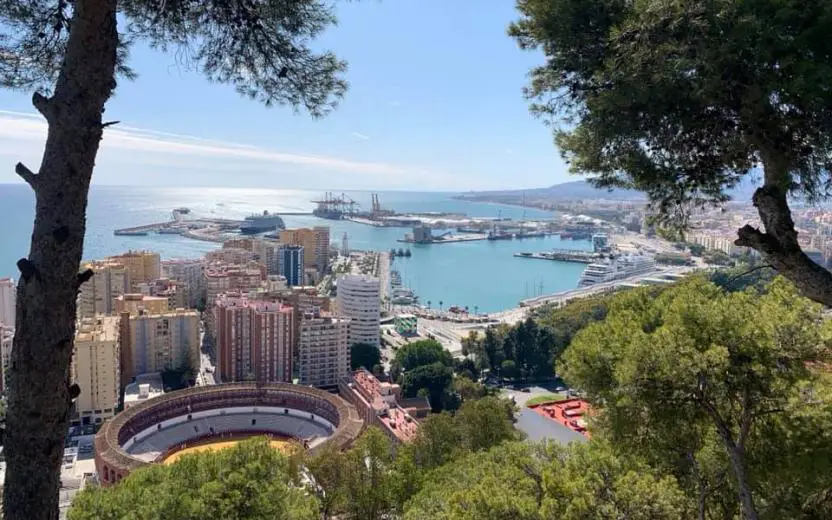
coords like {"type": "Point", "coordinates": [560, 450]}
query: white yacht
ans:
{"type": "Point", "coordinates": [618, 268]}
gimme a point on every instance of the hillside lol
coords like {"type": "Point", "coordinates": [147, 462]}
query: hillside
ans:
{"type": "Point", "coordinates": [583, 190]}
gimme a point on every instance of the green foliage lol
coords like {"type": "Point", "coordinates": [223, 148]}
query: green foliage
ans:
{"type": "Point", "coordinates": [468, 389]}
{"type": "Point", "coordinates": [536, 482]}
{"type": "Point", "coordinates": [716, 257]}
{"type": "Point", "coordinates": [508, 369]}
{"type": "Point", "coordinates": [427, 367]}
{"type": "Point", "coordinates": [420, 353]}
{"type": "Point", "coordinates": [369, 490]}
{"type": "Point", "coordinates": [546, 398]}
{"type": "Point", "coordinates": [695, 379]}
{"type": "Point", "coordinates": [647, 103]}
{"type": "Point", "coordinates": [434, 378]}
{"type": "Point", "coordinates": [364, 355]}
{"type": "Point", "coordinates": [696, 249]}
{"type": "Point", "coordinates": [329, 473]}
{"type": "Point", "coordinates": [744, 276]}
{"type": "Point", "coordinates": [486, 422]}
{"type": "Point", "coordinates": [251, 481]}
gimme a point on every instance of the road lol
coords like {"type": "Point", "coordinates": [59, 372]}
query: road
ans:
{"type": "Point", "coordinates": [205, 376]}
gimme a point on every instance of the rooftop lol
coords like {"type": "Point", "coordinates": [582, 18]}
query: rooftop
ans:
{"type": "Point", "coordinates": [146, 386]}
{"type": "Point", "coordinates": [569, 413]}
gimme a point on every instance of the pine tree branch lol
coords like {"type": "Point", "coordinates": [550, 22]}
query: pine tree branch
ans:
{"type": "Point", "coordinates": [27, 175]}
{"type": "Point", "coordinates": [44, 105]}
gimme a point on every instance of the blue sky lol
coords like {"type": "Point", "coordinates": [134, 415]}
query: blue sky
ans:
{"type": "Point", "coordinates": [435, 103]}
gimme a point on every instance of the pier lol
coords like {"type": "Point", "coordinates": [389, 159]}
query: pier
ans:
{"type": "Point", "coordinates": [446, 239]}
{"type": "Point", "coordinates": [565, 255]}
{"type": "Point", "coordinates": [208, 229]}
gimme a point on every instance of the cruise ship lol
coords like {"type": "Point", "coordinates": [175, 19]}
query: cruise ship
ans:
{"type": "Point", "coordinates": [618, 268]}
{"type": "Point", "coordinates": [261, 223]}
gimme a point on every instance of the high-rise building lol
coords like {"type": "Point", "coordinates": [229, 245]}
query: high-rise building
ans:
{"type": "Point", "coordinates": [323, 350]}
{"type": "Point", "coordinates": [97, 295]}
{"type": "Point", "coordinates": [174, 291]}
{"type": "Point", "coordinates": [189, 272]}
{"type": "Point", "coordinates": [315, 242]}
{"type": "Point", "coordinates": [255, 339]}
{"type": "Point", "coordinates": [143, 266]}
{"type": "Point", "coordinates": [231, 255]}
{"type": "Point", "coordinates": [6, 341]}
{"type": "Point", "coordinates": [155, 342]}
{"type": "Point", "coordinates": [359, 298]}
{"type": "Point", "coordinates": [291, 264]}
{"type": "Point", "coordinates": [7, 302]}
{"type": "Point", "coordinates": [133, 303]}
{"type": "Point", "coordinates": [95, 369]}
{"type": "Point", "coordinates": [222, 278]}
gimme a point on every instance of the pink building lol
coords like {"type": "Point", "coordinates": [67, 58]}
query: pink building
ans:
{"type": "Point", "coordinates": [221, 278]}
{"type": "Point", "coordinates": [378, 405]}
{"type": "Point", "coordinates": [254, 339]}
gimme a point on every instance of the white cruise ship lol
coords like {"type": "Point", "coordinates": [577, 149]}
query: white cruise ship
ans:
{"type": "Point", "coordinates": [618, 268]}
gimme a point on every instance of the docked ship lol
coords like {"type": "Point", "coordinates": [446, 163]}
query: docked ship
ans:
{"type": "Point", "coordinates": [618, 268]}
{"type": "Point", "coordinates": [261, 223]}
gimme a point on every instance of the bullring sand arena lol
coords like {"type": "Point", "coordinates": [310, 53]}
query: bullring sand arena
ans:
{"type": "Point", "coordinates": [167, 428]}
{"type": "Point", "coordinates": [284, 445]}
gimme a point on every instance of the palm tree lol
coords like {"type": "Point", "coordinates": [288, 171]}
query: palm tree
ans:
{"type": "Point", "coordinates": [476, 310]}
{"type": "Point", "coordinates": [440, 305]}
{"type": "Point", "coordinates": [429, 302]}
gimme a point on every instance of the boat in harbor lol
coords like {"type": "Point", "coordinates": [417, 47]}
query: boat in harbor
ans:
{"type": "Point", "coordinates": [254, 224]}
{"type": "Point", "coordinates": [180, 213]}
{"type": "Point", "coordinates": [618, 268]}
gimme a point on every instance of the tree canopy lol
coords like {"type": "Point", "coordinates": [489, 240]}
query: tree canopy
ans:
{"type": "Point", "coordinates": [696, 369]}
{"type": "Point", "coordinates": [683, 99]}
{"type": "Point", "coordinates": [364, 355]}
{"type": "Point", "coordinates": [251, 481]}
{"type": "Point", "coordinates": [535, 481]}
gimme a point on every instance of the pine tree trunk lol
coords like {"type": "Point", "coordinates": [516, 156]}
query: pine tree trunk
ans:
{"type": "Point", "coordinates": [39, 393]}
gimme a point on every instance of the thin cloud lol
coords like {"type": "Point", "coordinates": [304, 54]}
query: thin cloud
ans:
{"type": "Point", "coordinates": [363, 137]}
{"type": "Point", "coordinates": [395, 103]}
{"type": "Point", "coordinates": [30, 127]}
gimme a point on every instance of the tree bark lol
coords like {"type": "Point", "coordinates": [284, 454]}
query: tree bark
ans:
{"type": "Point", "coordinates": [737, 458]}
{"type": "Point", "coordinates": [778, 245]}
{"type": "Point", "coordinates": [40, 397]}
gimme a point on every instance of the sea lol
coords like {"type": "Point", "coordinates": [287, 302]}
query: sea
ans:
{"type": "Point", "coordinates": [482, 274]}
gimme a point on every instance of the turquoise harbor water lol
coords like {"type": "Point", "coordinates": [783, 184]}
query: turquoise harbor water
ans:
{"type": "Point", "coordinates": [482, 273]}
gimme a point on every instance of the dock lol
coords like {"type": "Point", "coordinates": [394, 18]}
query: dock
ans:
{"type": "Point", "coordinates": [447, 239]}
{"type": "Point", "coordinates": [209, 229]}
{"type": "Point", "coordinates": [565, 255]}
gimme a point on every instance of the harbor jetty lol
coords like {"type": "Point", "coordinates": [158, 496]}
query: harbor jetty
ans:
{"type": "Point", "coordinates": [209, 229]}
{"type": "Point", "coordinates": [566, 255]}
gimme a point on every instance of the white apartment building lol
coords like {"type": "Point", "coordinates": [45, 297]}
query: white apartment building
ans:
{"type": "Point", "coordinates": [359, 299]}
{"type": "Point", "coordinates": [154, 342]}
{"type": "Point", "coordinates": [323, 350]}
{"type": "Point", "coordinates": [98, 294]}
{"type": "Point", "coordinates": [7, 302]}
{"type": "Point", "coordinates": [95, 369]}
{"type": "Point", "coordinates": [6, 341]}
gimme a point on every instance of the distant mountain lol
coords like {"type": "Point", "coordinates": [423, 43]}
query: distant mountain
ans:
{"type": "Point", "coordinates": [582, 190]}
{"type": "Point", "coordinates": [567, 191]}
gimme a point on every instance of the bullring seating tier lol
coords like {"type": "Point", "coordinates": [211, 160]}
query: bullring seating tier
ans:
{"type": "Point", "coordinates": [124, 443]}
{"type": "Point", "coordinates": [153, 442]}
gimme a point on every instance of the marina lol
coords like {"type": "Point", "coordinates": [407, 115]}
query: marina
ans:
{"type": "Point", "coordinates": [481, 274]}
